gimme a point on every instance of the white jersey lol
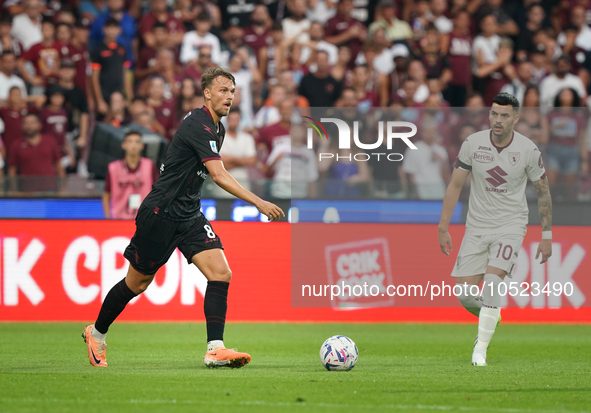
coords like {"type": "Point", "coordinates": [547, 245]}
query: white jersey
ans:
{"type": "Point", "coordinates": [499, 175]}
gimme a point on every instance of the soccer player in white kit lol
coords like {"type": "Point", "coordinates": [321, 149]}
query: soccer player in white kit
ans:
{"type": "Point", "coordinates": [501, 160]}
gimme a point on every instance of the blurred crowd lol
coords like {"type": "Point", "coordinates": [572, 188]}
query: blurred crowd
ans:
{"type": "Point", "coordinates": [67, 65]}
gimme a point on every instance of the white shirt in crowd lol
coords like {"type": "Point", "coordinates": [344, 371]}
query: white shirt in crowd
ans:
{"type": "Point", "coordinates": [330, 49]}
{"type": "Point", "coordinates": [488, 46]}
{"type": "Point", "coordinates": [267, 115]}
{"type": "Point", "coordinates": [243, 79]}
{"type": "Point", "coordinates": [293, 171]}
{"type": "Point", "coordinates": [7, 83]}
{"type": "Point", "coordinates": [552, 85]}
{"type": "Point", "coordinates": [192, 42]}
{"type": "Point", "coordinates": [583, 39]}
{"type": "Point", "coordinates": [426, 169]}
{"type": "Point", "coordinates": [241, 145]}
{"type": "Point", "coordinates": [292, 28]}
{"type": "Point", "coordinates": [26, 31]}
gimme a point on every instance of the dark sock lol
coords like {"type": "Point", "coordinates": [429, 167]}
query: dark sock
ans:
{"type": "Point", "coordinates": [215, 305]}
{"type": "Point", "coordinates": [113, 305]}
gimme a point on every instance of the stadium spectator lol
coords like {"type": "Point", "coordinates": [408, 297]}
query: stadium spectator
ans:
{"type": "Point", "coordinates": [248, 80]}
{"type": "Point", "coordinates": [76, 104]}
{"type": "Point", "coordinates": [576, 54]}
{"type": "Point", "coordinates": [269, 113]}
{"type": "Point", "coordinates": [195, 68]}
{"type": "Point", "coordinates": [567, 151]}
{"type": "Point", "coordinates": [321, 10]}
{"type": "Point", "coordinates": [163, 108]}
{"type": "Point", "coordinates": [91, 9]}
{"type": "Point", "coordinates": [257, 34]}
{"type": "Point", "coordinates": [389, 83]}
{"type": "Point", "coordinates": [128, 180]}
{"type": "Point", "coordinates": [234, 40]}
{"type": "Point", "coordinates": [320, 88]}
{"type": "Point", "coordinates": [33, 157]}
{"type": "Point", "coordinates": [186, 11]}
{"type": "Point", "coordinates": [238, 152]}
{"type": "Point", "coordinates": [346, 178]}
{"type": "Point", "coordinates": [186, 100]}
{"type": "Point", "coordinates": [194, 39]}
{"type": "Point", "coordinates": [271, 58]}
{"type": "Point", "coordinates": [7, 39]}
{"type": "Point", "coordinates": [277, 134]}
{"type": "Point", "coordinates": [343, 29]}
{"type": "Point", "coordinates": [439, 18]}
{"type": "Point", "coordinates": [365, 96]}
{"type": "Point", "coordinates": [541, 67]}
{"type": "Point", "coordinates": [45, 58]}
{"type": "Point", "coordinates": [317, 42]}
{"type": "Point", "coordinates": [520, 79]}
{"type": "Point", "coordinates": [427, 169]}
{"type": "Point", "coordinates": [168, 71]}
{"type": "Point", "coordinates": [13, 111]}
{"type": "Point", "coordinates": [506, 25]}
{"type": "Point", "coordinates": [286, 79]}
{"type": "Point", "coordinates": [417, 72]}
{"type": "Point", "coordinates": [532, 116]}
{"type": "Point", "coordinates": [419, 19]}
{"type": "Point", "coordinates": [110, 67]}
{"type": "Point", "coordinates": [78, 53]}
{"type": "Point", "coordinates": [159, 14]}
{"type": "Point", "coordinates": [560, 79]}
{"type": "Point", "coordinates": [8, 77]}
{"type": "Point", "coordinates": [147, 121]}
{"type": "Point", "coordinates": [296, 25]}
{"type": "Point", "coordinates": [395, 29]}
{"type": "Point", "coordinates": [525, 44]}
{"type": "Point", "coordinates": [146, 62]}
{"type": "Point", "coordinates": [127, 33]}
{"type": "Point", "coordinates": [340, 70]}
{"type": "Point", "coordinates": [26, 27]}
{"type": "Point", "coordinates": [457, 45]}
{"type": "Point", "coordinates": [54, 123]}
{"type": "Point", "coordinates": [430, 54]}
{"type": "Point", "coordinates": [583, 36]}
{"type": "Point", "coordinates": [117, 115]}
{"type": "Point", "coordinates": [236, 12]}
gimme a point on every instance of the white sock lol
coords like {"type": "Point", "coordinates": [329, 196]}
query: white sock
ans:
{"type": "Point", "coordinates": [490, 311]}
{"type": "Point", "coordinates": [214, 345]}
{"type": "Point", "coordinates": [97, 335]}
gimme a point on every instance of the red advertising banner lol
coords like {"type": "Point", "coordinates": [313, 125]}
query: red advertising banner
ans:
{"type": "Point", "coordinates": [61, 271]}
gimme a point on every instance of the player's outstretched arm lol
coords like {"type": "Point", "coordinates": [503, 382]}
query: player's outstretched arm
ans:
{"type": "Point", "coordinates": [452, 195]}
{"type": "Point", "coordinates": [545, 211]}
{"type": "Point", "coordinates": [227, 182]}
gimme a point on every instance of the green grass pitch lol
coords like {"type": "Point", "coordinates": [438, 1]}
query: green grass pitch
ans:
{"type": "Point", "coordinates": [401, 367]}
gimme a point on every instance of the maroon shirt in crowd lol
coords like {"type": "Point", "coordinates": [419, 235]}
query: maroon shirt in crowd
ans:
{"type": "Point", "coordinates": [13, 124]}
{"type": "Point", "coordinates": [54, 124]}
{"type": "Point", "coordinates": [164, 114]}
{"type": "Point", "coordinates": [460, 59]}
{"type": "Point", "coordinates": [256, 41]}
{"type": "Point", "coordinates": [81, 59]}
{"type": "Point", "coordinates": [337, 25]}
{"type": "Point", "coordinates": [173, 25]}
{"type": "Point", "coordinates": [35, 160]}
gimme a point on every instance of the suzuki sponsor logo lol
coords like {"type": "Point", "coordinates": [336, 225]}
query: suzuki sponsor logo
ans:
{"type": "Point", "coordinates": [496, 176]}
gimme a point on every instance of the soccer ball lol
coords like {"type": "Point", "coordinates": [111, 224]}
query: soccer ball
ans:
{"type": "Point", "coordinates": [339, 353]}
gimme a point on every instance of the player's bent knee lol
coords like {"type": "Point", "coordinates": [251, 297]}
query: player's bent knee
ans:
{"type": "Point", "coordinates": [225, 276]}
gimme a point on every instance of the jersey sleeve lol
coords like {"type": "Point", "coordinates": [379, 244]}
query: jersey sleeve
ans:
{"type": "Point", "coordinates": [465, 157]}
{"type": "Point", "coordinates": [203, 142]}
{"type": "Point", "coordinates": [535, 166]}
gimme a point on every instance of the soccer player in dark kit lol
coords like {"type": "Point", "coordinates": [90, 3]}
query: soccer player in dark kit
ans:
{"type": "Point", "coordinates": [170, 217]}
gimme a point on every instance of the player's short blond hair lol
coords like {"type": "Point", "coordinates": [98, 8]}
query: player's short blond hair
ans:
{"type": "Point", "coordinates": [211, 74]}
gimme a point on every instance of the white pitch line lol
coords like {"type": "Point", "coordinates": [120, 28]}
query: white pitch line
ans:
{"type": "Point", "coordinates": [291, 404]}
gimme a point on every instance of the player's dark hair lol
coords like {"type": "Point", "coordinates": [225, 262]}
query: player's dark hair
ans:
{"type": "Point", "coordinates": [132, 132]}
{"type": "Point", "coordinates": [506, 99]}
{"type": "Point", "coordinates": [211, 74]}
{"type": "Point", "coordinates": [112, 22]}
{"type": "Point", "coordinates": [576, 99]}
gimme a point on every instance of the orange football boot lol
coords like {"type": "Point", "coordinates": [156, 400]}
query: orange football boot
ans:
{"type": "Point", "coordinates": [97, 350]}
{"type": "Point", "coordinates": [223, 357]}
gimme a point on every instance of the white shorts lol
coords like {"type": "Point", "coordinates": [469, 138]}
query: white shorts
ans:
{"type": "Point", "coordinates": [480, 251]}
